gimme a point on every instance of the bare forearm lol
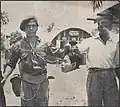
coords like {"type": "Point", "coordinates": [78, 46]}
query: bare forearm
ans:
{"type": "Point", "coordinates": [8, 71]}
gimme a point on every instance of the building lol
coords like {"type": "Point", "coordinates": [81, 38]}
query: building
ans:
{"type": "Point", "coordinates": [69, 35]}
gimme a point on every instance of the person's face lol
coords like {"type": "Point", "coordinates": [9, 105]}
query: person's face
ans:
{"type": "Point", "coordinates": [103, 27]}
{"type": "Point", "coordinates": [94, 32]}
{"type": "Point", "coordinates": [31, 27]}
{"type": "Point", "coordinates": [115, 28]}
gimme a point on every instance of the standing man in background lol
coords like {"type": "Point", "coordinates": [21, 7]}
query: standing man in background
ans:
{"type": "Point", "coordinates": [115, 30]}
{"type": "Point", "coordinates": [7, 46]}
{"type": "Point", "coordinates": [117, 70]}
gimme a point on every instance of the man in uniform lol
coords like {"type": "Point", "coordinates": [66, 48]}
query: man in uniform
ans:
{"type": "Point", "coordinates": [32, 65]}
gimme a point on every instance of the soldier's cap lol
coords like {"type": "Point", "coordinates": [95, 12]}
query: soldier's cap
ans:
{"type": "Point", "coordinates": [26, 21]}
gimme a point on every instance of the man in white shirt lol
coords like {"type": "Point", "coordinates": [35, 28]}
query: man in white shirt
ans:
{"type": "Point", "coordinates": [101, 83]}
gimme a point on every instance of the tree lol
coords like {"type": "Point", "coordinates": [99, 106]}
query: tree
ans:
{"type": "Point", "coordinates": [4, 21]}
{"type": "Point", "coordinates": [4, 18]}
{"type": "Point", "coordinates": [2, 39]}
{"type": "Point", "coordinates": [15, 37]}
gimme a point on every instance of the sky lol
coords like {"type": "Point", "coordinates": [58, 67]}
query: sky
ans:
{"type": "Point", "coordinates": [62, 13]}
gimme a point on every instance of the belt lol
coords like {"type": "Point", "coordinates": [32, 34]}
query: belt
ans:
{"type": "Point", "coordinates": [117, 68]}
{"type": "Point", "coordinates": [99, 69]}
{"type": "Point", "coordinates": [33, 79]}
{"type": "Point", "coordinates": [35, 72]}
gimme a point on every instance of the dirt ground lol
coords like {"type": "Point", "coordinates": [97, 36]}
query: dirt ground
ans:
{"type": "Point", "coordinates": [65, 89]}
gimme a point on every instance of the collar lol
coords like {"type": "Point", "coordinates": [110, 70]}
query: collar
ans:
{"type": "Point", "coordinates": [38, 39]}
{"type": "Point", "coordinates": [110, 40]}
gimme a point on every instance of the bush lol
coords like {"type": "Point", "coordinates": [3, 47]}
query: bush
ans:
{"type": "Point", "coordinates": [2, 46]}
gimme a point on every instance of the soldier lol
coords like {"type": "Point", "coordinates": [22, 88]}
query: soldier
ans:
{"type": "Point", "coordinates": [32, 66]}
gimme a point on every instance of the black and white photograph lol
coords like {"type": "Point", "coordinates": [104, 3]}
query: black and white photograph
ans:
{"type": "Point", "coordinates": [60, 53]}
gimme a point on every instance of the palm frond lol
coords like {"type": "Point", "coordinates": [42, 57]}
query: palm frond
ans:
{"type": "Point", "coordinates": [4, 18]}
{"type": "Point", "coordinates": [96, 4]}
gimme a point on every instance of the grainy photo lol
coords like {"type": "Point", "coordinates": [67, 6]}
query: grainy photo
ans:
{"type": "Point", "coordinates": [60, 53]}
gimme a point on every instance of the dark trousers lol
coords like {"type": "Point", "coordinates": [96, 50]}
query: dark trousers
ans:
{"type": "Point", "coordinates": [102, 88]}
{"type": "Point", "coordinates": [6, 54]}
{"type": "Point", "coordinates": [35, 94]}
{"type": "Point", "coordinates": [119, 92]}
{"type": "Point", "coordinates": [117, 71]}
{"type": "Point", "coordinates": [2, 98]}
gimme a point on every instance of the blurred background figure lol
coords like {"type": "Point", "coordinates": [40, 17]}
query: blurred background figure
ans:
{"type": "Point", "coordinates": [115, 28]}
{"type": "Point", "coordinates": [94, 32]}
{"type": "Point", "coordinates": [67, 48]}
{"type": "Point", "coordinates": [7, 45]}
{"type": "Point", "coordinates": [115, 31]}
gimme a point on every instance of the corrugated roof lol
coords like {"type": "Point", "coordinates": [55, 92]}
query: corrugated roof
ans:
{"type": "Point", "coordinates": [49, 36]}
{"type": "Point", "coordinates": [114, 11]}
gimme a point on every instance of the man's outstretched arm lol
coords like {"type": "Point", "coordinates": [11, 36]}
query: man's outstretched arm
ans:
{"type": "Point", "coordinates": [11, 63]}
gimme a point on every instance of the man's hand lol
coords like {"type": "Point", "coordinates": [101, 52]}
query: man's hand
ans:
{"type": "Point", "coordinates": [6, 74]}
{"type": "Point", "coordinates": [3, 81]}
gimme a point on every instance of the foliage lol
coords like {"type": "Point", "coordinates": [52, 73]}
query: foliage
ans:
{"type": "Point", "coordinates": [97, 4]}
{"type": "Point", "coordinates": [50, 27]}
{"type": "Point", "coordinates": [4, 18]}
{"type": "Point", "coordinates": [15, 37]}
{"type": "Point", "coordinates": [4, 21]}
{"type": "Point", "coordinates": [2, 39]}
